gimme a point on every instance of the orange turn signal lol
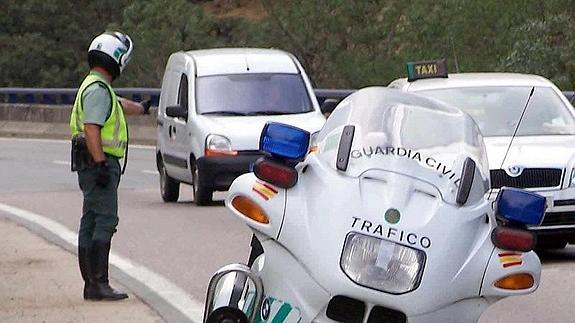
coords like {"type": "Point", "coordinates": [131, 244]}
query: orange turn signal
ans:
{"type": "Point", "coordinates": [250, 209]}
{"type": "Point", "coordinates": [313, 149]}
{"type": "Point", "coordinates": [219, 153]}
{"type": "Point", "coordinates": [516, 282]}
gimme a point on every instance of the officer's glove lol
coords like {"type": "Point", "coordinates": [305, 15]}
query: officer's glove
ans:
{"type": "Point", "coordinates": [146, 104]}
{"type": "Point", "coordinates": [102, 173]}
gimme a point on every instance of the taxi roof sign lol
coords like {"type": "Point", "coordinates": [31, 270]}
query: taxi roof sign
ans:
{"type": "Point", "coordinates": [426, 70]}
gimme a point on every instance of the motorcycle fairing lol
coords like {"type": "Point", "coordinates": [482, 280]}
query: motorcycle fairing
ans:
{"type": "Point", "coordinates": [270, 198]}
{"type": "Point", "coordinates": [407, 154]}
{"type": "Point", "coordinates": [504, 263]}
{"type": "Point", "coordinates": [408, 134]}
{"type": "Point", "coordinates": [315, 229]}
{"type": "Point", "coordinates": [286, 279]}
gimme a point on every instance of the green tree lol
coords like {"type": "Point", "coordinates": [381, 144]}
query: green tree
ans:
{"type": "Point", "coordinates": [159, 29]}
{"type": "Point", "coordinates": [341, 43]}
{"type": "Point", "coordinates": [359, 43]}
{"type": "Point", "coordinates": [44, 42]}
{"type": "Point", "coordinates": [545, 45]}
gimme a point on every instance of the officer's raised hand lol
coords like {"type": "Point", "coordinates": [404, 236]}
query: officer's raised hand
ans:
{"type": "Point", "coordinates": [146, 105]}
{"type": "Point", "coordinates": [135, 108]}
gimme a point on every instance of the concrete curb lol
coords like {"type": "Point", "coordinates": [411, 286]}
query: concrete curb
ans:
{"type": "Point", "coordinates": [64, 238]}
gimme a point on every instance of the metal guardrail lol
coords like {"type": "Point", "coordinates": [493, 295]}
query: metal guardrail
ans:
{"type": "Point", "coordinates": [66, 96]}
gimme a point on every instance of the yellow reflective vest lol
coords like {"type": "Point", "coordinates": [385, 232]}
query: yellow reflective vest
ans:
{"type": "Point", "coordinates": [114, 132]}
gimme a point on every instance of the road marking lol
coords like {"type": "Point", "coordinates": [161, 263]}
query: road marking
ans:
{"type": "Point", "coordinates": [143, 147]}
{"type": "Point", "coordinates": [61, 162]}
{"type": "Point", "coordinates": [34, 140]}
{"type": "Point", "coordinates": [161, 286]}
{"type": "Point", "coordinates": [67, 163]}
{"type": "Point", "coordinates": [60, 141]}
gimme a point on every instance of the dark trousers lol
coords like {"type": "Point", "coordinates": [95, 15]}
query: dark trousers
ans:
{"type": "Point", "coordinates": [100, 208]}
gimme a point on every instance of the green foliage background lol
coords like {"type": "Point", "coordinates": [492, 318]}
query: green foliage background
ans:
{"type": "Point", "coordinates": [341, 43]}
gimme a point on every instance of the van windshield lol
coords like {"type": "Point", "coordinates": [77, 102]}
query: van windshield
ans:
{"type": "Point", "coordinates": [252, 94]}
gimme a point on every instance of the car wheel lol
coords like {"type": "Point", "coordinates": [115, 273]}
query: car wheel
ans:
{"type": "Point", "coordinates": [169, 187]}
{"type": "Point", "coordinates": [550, 243]}
{"type": "Point", "coordinates": [202, 195]}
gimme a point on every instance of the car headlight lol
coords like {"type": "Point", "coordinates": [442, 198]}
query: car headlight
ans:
{"type": "Point", "coordinates": [381, 264]}
{"type": "Point", "coordinates": [217, 145]}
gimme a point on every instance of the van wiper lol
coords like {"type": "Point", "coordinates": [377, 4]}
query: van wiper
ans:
{"type": "Point", "coordinates": [270, 112]}
{"type": "Point", "coordinates": [227, 113]}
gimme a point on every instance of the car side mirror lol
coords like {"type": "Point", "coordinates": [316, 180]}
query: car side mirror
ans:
{"type": "Point", "coordinates": [177, 111]}
{"type": "Point", "coordinates": [329, 105]}
{"type": "Point", "coordinates": [519, 206]}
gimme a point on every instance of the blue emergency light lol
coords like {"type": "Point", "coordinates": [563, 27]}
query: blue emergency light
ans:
{"type": "Point", "coordinates": [284, 141]}
{"type": "Point", "coordinates": [520, 206]}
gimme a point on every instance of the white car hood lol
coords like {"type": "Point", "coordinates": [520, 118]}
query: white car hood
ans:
{"type": "Point", "coordinates": [244, 131]}
{"type": "Point", "coordinates": [531, 151]}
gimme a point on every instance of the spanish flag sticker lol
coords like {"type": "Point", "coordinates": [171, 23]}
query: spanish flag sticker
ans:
{"type": "Point", "coordinates": [510, 259]}
{"type": "Point", "coordinates": [265, 190]}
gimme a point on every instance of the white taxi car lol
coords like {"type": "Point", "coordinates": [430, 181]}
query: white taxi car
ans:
{"type": "Point", "coordinates": [529, 130]}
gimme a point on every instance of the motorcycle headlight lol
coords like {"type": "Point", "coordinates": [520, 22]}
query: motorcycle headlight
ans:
{"type": "Point", "coordinates": [381, 264]}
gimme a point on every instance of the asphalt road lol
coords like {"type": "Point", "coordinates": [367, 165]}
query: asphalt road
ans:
{"type": "Point", "coordinates": [180, 241]}
{"type": "Point", "coordinates": [186, 244]}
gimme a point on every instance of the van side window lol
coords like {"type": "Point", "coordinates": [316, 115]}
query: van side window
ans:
{"type": "Point", "coordinates": [183, 92]}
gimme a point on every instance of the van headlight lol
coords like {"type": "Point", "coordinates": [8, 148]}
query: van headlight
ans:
{"type": "Point", "coordinates": [381, 264]}
{"type": "Point", "coordinates": [217, 145]}
{"type": "Point", "coordinates": [572, 178]}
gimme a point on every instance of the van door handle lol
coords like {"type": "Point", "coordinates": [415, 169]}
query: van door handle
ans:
{"type": "Point", "coordinates": [172, 132]}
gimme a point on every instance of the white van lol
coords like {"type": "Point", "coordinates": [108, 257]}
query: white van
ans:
{"type": "Point", "coordinates": [214, 104]}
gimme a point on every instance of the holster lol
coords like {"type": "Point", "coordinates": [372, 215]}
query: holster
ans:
{"type": "Point", "coordinates": [80, 156]}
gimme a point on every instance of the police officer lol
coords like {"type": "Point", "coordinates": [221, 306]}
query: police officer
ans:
{"type": "Point", "coordinates": [99, 141]}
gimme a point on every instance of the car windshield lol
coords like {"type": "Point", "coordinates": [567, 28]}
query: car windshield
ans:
{"type": "Point", "coordinates": [497, 109]}
{"type": "Point", "coordinates": [407, 134]}
{"type": "Point", "coordinates": [252, 94]}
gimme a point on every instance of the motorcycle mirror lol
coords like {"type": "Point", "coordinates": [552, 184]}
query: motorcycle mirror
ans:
{"type": "Point", "coordinates": [234, 293]}
{"type": "Point", "coordinates": [519, 206]}
{"type": "Point", "coordinates": [466, 181]}
{"type": "Point", "coordinates": [329, 105]}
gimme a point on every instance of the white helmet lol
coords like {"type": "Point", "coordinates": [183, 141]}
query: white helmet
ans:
{"type": "Point", "coordinates": [112, 51]}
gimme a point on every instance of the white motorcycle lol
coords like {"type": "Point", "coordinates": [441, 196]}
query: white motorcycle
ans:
{"type": "Point", "coordinates": [383, 217]}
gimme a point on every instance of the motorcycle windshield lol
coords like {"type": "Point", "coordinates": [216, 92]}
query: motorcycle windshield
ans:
{"type": "Point", "coordinates": [407, 134]}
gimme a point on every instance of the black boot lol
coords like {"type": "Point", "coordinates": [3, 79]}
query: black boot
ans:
{"type": "Point", "coordinates": [84, 255]}
{"type": "Point", "coordinates": [100, 289]}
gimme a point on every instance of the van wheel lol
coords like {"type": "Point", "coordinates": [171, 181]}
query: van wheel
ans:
{"type": "Point", "coordinates": [202, 195]}
{"type": "Point", "coordinates": [169, 187]}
